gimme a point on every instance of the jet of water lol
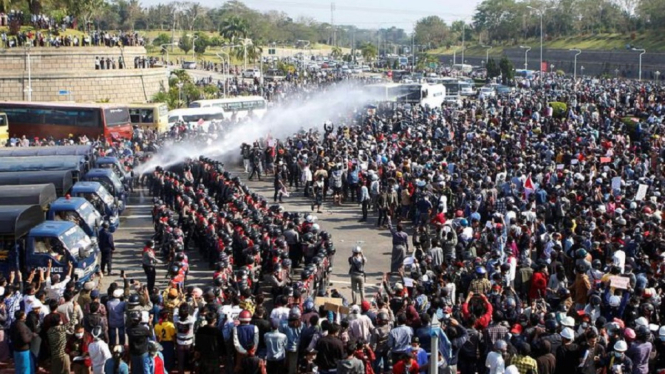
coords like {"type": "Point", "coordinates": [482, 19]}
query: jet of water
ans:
{"type": "Point", "coordinates": [279, 122]}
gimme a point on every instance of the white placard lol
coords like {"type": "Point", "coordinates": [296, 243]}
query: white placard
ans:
{"type": "Point", "coordinates": [641, 192]}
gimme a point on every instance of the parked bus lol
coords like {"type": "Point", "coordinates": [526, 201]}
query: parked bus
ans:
{"type": "Point", "coordinates": [150, 116]}
{"type": "Point", "coordinates": [424, 94]}
{"type": "Point", "coordinates": [196, 116]}
{"type": "Point", "coordinates": [60, 120]}
{"type": "Point", "coordinates": [386, 92]}
{"type": "Point", "coordinates": [241, 106]}
{"type": "Point", "coordinates": [453, 88]}
{"type": "Point", "coordinates": [4, 129]}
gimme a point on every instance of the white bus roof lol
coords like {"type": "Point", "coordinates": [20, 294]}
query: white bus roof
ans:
{"type": "Point", "coordinates": [186, 111]}
{"type": "Point", "coordinates": [229, 100]}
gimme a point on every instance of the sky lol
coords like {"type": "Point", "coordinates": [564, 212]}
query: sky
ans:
{"type": "Point", "coordinates": [361, 13]}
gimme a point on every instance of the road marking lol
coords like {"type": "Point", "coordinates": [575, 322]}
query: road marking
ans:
{"type": "Point", "coordinates": [135, 228]}
{"type": "Point", "coordinates": [138, 216]}
{"type": "Point", "coordinates": [139, 206]}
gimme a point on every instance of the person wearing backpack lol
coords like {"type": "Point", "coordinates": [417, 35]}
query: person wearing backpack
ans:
{"type": "Point", "coordinates": [357, 271]}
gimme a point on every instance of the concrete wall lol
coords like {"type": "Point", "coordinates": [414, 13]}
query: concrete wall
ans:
{"type": "Point", "coordinates": [594, 62]}
{"type": "Point", "coordinates": [73, 69]}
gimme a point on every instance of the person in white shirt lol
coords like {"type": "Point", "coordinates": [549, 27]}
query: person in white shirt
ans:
{"type": "Point", "coordinates": [281, 312]}
{"type": "Point", "coordinates": [99, 351]}
{"type": "Point", "coordinates": [360, 326]}
{"type": "Point", "coordinates": [495, 363]}
{"type": "Point", "coordinates": [54, 286]}
{"type": "Point", "coordinates": [619, 259]}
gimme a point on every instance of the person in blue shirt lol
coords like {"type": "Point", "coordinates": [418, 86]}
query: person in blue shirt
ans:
{"type": "Point", "coordinates": [115, 364]}
{"type": "Point", "coordinates": [420, 354]}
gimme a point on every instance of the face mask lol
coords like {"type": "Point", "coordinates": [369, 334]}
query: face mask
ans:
{"type": "Point", "coordinates": [79, 335]}
{"type": "Point", "coordinates": [618, 354]}
{"type": "Point", "coordinates": [662, 338]}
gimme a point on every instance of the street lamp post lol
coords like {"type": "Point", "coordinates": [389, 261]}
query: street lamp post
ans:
{"type": "Point", "coordinates": [194, 47]}
{"type": "Point", "coordinates": [526, 56]}
{"type": "Point", "coordinates": [642, 51]}
{"type": "Point", "coordinates": [463, 39]}
{"type": "Point", "coordinates": [487, 53]}
{"type": "Point", "coordinates": [224, 67]}
{"type": "Point", "coordinates": [167, 50]}
{"type": "Point", "coordinates": [179, 85]}
{"type": "Point", "coordinates": [541, 12]}
{"type": "Point", "coordinates": [579, 51]}
{"type": "Point", "coordinates": [28, 89]}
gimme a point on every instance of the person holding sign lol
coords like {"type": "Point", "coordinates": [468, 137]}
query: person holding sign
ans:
{"type": "Point", "coordinates": [357, 271]}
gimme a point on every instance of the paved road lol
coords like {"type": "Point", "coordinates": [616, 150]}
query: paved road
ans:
{"type": "Point", "coordinates": [135, 229]}
{"type": "Point", "coordinates": [341, 222]}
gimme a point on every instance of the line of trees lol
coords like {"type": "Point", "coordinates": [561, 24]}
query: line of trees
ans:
{"type": "Point", "coordinates": [508, 21]}
{"type": "Point", "coordinates": [231, 21]}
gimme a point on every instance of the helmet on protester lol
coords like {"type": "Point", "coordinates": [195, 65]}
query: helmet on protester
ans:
{"type": "Point", "coordinates": [568, 333]}
{"type": "Point", "coordinates": [133, 300]}
{"type": "Point", "coordinates": [245, 316]}
{"type": "Point", "coordinates": [621, 346]}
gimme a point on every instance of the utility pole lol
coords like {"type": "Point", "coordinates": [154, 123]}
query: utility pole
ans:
{"type": "Point", "coordinates": [173, 31]}
{"type": "Point", "coordinates": [413, 51]}
{"type": "Point", "coordinates": [332, 24]}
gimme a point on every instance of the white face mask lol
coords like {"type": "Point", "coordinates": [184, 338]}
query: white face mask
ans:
{"type": "Point", "coordinates": [79, 335]}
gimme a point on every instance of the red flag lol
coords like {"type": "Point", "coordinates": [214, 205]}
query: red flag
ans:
{"type": "Point", "coordinates": [529, 183]}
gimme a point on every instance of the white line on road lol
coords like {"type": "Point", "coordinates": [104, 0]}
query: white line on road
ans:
{"type": "Point", "coordinates": [139, 206]}
{"type": "Point", "coordinates": [138, 216]}
{"type": "Point", "coordinates": [135, 228]}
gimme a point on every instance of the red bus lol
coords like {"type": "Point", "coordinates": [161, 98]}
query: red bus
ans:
{"type": "Point", "coordinates": [59, 120]}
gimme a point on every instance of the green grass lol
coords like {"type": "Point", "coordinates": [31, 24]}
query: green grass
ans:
{"type": "Point", "coordinates": [650, 41]}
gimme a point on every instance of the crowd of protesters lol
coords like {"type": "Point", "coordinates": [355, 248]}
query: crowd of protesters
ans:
{"type": "Point", "coordinates": [532, 237]}
{"type": "Point", "coordinates": [54, 39]}
{"type": "Point", "coordinates": [536, 237]}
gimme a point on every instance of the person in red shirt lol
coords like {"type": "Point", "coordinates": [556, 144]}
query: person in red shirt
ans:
{"type": "Point", "coordinates": [406, 365]}
{"type": "Point", "coordinates": [538, 283]}
{"type": "Point", "coordinates": [154, 350]}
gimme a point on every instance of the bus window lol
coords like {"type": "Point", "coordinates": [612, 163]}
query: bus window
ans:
{"type": "Point", "coordinates": [135, 116]}
{"type": "Point", "coordinates": [116, 116]}
{"type": "Point", "coordinates": [147, 116]}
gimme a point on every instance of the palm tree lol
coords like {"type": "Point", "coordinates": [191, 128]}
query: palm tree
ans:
{"type": "Point", "coordinates": [234, 28]}
{"type": "Point", "coordinates": [253, 52]}
{"type": "Point", "coordinates": [336, 52]}
{"type": "Point", "coordinates": [368, 51]}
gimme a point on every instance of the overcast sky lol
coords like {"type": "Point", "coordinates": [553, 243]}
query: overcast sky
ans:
{"type": "Point", "coordinates": [361, 13]}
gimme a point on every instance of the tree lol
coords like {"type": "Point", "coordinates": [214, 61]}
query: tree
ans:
{"type": "Point", "coordinates": [368, 51]}
{"type": "Point", "coordinates": [185, 43]}
{"type": "Point", "coordinates": [84, 9]}
{"type": "Point", "coordinates": [493, 70]}
{"type": "Point", "coordinates": [507, 70]}
{"type": "Point", "coordinates": [336, 52]}
{"type": "Point", "coordinates": [433, 30]}
{"type": "Point", "coordinates": [161, 39]}
{"type": "Point", "coordinates": [234, 28]}
{"type": "Point", "coordinates": [202, 42]}
{"type": "Point", "coordinates": [500, 18]}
